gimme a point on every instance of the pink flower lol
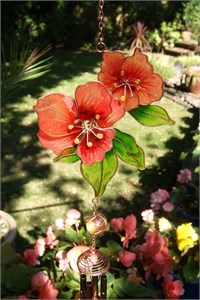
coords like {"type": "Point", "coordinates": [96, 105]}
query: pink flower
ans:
{"type": "Point", "coordinates": [38, 280]}
{"type": "Point", "coordinates": [61, 257]}
{"type": "Point", "coordinates": [130, 229]}
{"type": "Point", "coordinates": [184, 176]}
{"type": "Point", "coordinates": [156, 255]}
{"type": "Point", "coordinates": [172, 289]}
{"type": "Point", "coordinates": [30, 257]}
{"type": "Point", "coordinates": [48, 291]}
{"type": "Point", "coordinates": [73, 254]}
{"type": "Point", "coordinates": [127, 258]}
{"type": "Point", "coordinates": [168, 206]}
{"type": "Point", "coordinates": [40, 247]}
{"type": "Point", "coordinates": [60, 224]}
{"type": "Point", "coordinates": [148, 216]}
{"type": "Point", "coordinates": [117, 224]}
{"type": "Point", "coordinates": [50, 239]}
{"type": "Point", "coordinates": [158, 197]}
{"type": "Point", "coordinates": [44, 286]}
{"type": "Point", "coordinates": [22, 297]}
{"type": "Point", "coordinates": [73, 216]}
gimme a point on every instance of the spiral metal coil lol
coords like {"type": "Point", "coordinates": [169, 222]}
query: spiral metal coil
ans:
{"type": "Point", "coordinates": [93, 263]}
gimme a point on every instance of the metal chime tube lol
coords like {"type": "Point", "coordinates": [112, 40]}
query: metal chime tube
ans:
{"type": "Point", "coordinates": [89, 289]}
{"type": "Point", "coordinates": [93, 262]}
{"type": "Point", "coordinates": [83, 286]}
{"type": "Point", "coordinates": [103, 286]}
{"type": "Point", "coordinates": [95, 287]}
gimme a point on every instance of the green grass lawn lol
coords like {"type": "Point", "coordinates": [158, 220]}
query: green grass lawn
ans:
{"type": "Point", "coordinates": [36, 191]}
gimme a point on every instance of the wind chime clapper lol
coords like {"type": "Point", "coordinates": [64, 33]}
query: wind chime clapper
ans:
{"type": "Point", "coordinates": [93, 264]}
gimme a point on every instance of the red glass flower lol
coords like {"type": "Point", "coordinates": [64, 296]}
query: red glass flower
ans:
{"type": "Point", "coordinates": [130, 79]}
{"type": "Point", "coordinates": [85, 122]}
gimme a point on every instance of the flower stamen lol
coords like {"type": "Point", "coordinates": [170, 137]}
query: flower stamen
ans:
{"type": "Point", "coordinates": [77, 121]}
{"type": "Point", "coordinates": [88, 127]}
{"type": "Point", "coordinates": [77, 141]}
{"type": "Point", "coordinates": [100, 135]}
{"type": "Point", "coordinates": [89, 144]}
{"type": "Point", "coordinates": [70, 127]}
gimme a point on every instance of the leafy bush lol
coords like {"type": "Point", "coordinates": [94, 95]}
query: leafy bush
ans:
{"type": "Point", "coordinates": [166, 36]}
{"type": "Point", "coordinates": [191, 15]}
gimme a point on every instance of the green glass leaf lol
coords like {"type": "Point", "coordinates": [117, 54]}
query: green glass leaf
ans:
{"type": "Point", "coordinates": [124, 287]}
{"type": "Point", "coordinates": [100, 173]}
{"type": "Point", "coordinates": [151, 115]}
{"type": "Point", "coordinates": [68, 155]}
{"type": "Point", "coordinates": [127, 149]}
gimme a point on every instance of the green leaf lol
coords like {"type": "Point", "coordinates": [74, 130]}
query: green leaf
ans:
{"type": "Point", "coordinates": [100, 173]}
{"type": "Point", "coordinates": [110, 280]}
{"type": "Point", "coordinates": [197, 170]}
{"type": "Point", "coordinates": [74, 285]}
{"type": "Point", "coordinates": [71, 234]}
{"type": "Point", "coordinates": [72, 275]}
{"type": "Point", "coordinates": [106, 251]}
{"type": "Point", "coordinates": [63, 245]}
{"type": "Point", "coordinates": [8, 255]}
{"type": "Point", "coordinates": [65, 295]}
{"type": "Point", "coordinates": [124, 287]}
{"type": "Point", "coordinates": [127, 149]}
{"type": "Point", "coordinates": [68, 155]}
{"type": "Point", "coordinates": [190, 269]}
{"type": "Point", "coordinates": [17, 278]}
{"type": "Point", "coordinates": [151, 115]}
{"type": "Point", "coordinates": [81, 234]}
{"type": "Point", "coordinates": [114, 246]}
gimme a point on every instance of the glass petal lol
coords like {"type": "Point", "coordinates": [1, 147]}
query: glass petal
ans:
{"type": "Point", "coordinates": [112, 63]}
{"type": "Point", "coordinates": [97, 152]}
{"type": "Point", "coordinates": [56, 144]}
{"type": "Point", "coordinates": [93, 97]}
{"type": "Point", "coordinates": [137, 66]}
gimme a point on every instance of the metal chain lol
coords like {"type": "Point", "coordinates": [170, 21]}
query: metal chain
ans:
{"type": "Point", "coordinates": [95, 202]}
{"type": "Point", "coordinates": [100, 46]}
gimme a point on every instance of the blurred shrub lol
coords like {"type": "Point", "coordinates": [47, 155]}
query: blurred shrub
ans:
{"type": "Point", "coordinates": [74, 23]}
{"type": "Point", "coordinates": [191, 17]}
{"type": "Point", "coordinates": [166, 36]}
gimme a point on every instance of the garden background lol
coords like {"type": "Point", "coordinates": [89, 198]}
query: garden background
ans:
{"type": "Point", "coordinates": [36, 191]}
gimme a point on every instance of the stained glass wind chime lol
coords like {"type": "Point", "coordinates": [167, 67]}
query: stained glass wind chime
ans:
{"type": "Point", "coordinates": [93, 263]}
{"type": "Point", "coordinates": [81, 129]}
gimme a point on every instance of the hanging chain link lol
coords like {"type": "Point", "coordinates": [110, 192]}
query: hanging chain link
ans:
{"type": "Point", "coordinates": [100, 46]}
{"type": "Point", "coordinates": [95, 200]}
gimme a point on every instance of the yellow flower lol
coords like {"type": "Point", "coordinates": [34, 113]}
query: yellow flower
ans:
{"type": "Point", "coordinates": [164, 224]}
{"type": "Point", "coordinates": [186, 237]}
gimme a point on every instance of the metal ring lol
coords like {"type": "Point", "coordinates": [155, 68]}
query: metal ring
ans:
{"type": "Point", "coordinates": [100, 46]}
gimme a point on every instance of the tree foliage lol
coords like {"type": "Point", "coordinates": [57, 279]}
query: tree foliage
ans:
{"type": "Point", "coordinates": [74, 23]}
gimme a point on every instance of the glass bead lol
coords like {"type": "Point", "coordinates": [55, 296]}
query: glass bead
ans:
{"type": "Point", "coordinates": [96, 224]}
